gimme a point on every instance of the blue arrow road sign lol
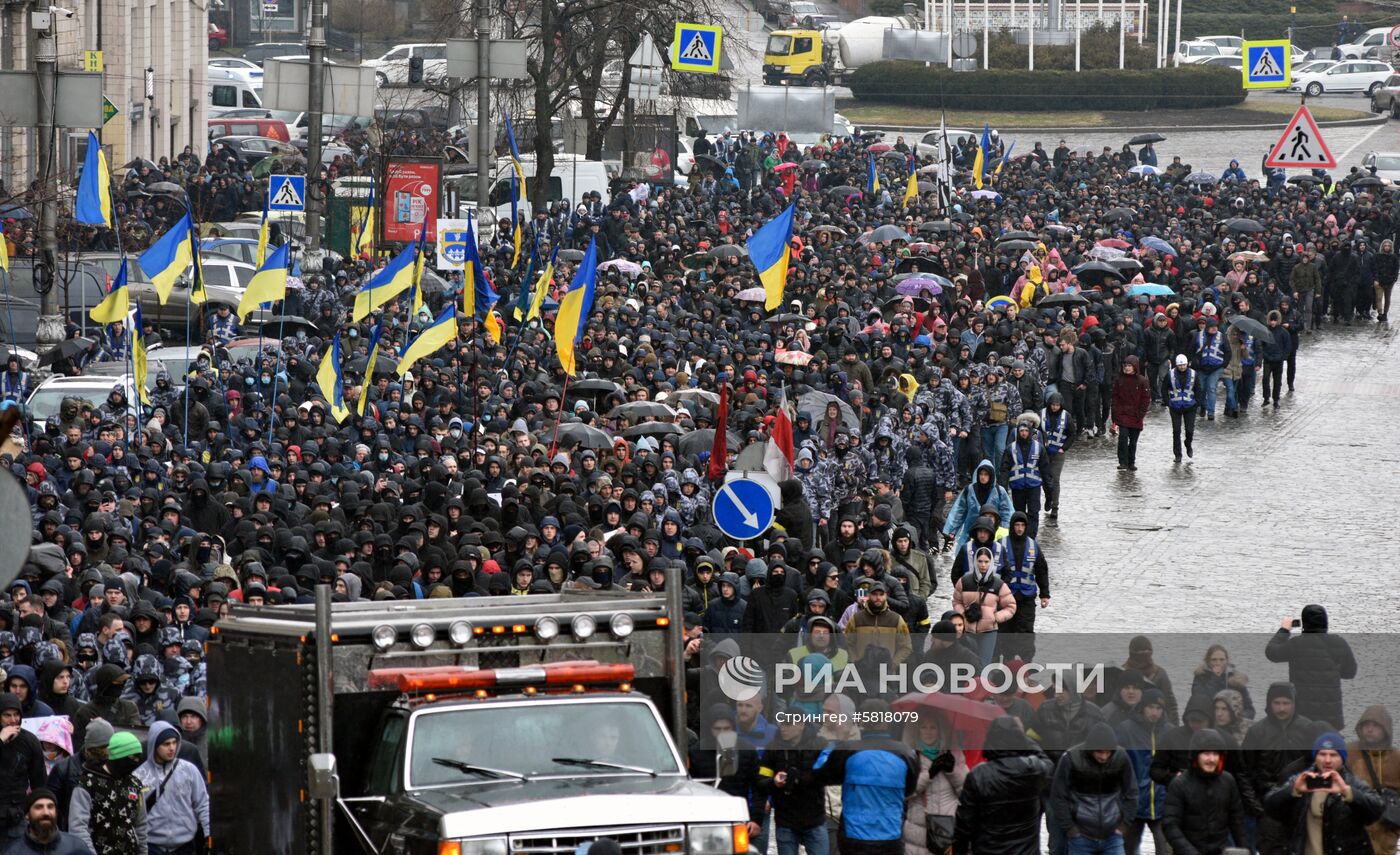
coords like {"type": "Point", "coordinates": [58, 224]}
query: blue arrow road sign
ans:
{"type": "Point", "coordinates": [743, 509]}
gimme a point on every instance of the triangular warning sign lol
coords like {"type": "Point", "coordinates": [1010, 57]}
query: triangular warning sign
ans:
{"type": "Point", "coordinates": [697, 50]}
{"type": "Point", "coordinates": [287, 195]}
{"type": "Point", "coordinates": [1301, 146]}
{"type": "Point", "coordinates": [1265, 66]}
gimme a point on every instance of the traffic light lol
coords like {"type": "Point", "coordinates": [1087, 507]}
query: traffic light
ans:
{"type": "Point", "coordinates": [415, 69]}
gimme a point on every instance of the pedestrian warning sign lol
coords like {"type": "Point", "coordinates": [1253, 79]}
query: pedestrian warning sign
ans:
{"type": "Point", "coordinates": [696, 47]}
{"type": "Point", "coordinates": [1301, 146]}
{"type": "Point", "coordinates": [286, 193]}
{"type": "Point", "coordinates": [1267, 64]}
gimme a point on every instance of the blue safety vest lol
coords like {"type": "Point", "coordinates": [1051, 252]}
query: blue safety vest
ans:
{"type": "Point", "coordinates": [1055, 430]}
{"type": "Point", "coordinates": [1025, 467]}
{"type": "Point", "coordinates": [970, 554]}
{"type": "Point", "coordinates": [1183, 397]}
{"type": "Point", "coordinates": [1020, 575]}
{"type": "Point", "coordinates": [1211, 348]}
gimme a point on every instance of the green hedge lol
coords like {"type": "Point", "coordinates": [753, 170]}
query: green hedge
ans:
{"type": "Point", "coordinates": [915, 85]}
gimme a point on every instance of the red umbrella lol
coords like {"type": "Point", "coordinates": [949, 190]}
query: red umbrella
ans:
{"type": "Point", "coordinates": [967, 714]}
{"type": "Point", "coordinates": [785, 166]}
{"type": "Point", "coordinates": [880, 148]}
{"type": "Point", "coordinates": [793, 357]}
{"type": "Point", "coordinates": [1116, 243]}
{"type": "Point", "coordinates": [921, 247]}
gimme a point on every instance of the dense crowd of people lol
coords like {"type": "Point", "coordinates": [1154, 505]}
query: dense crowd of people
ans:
{"type": "Point", "coordinates": [941, 356]}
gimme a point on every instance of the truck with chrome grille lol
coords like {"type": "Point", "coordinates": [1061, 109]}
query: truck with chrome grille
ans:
{"type": "Point", "coordinates": [482, 726]}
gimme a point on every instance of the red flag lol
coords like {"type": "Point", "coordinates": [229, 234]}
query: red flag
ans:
{"type": "Point", "coordinates": [779, 456]}
{"type": "Point", "coordinates": [719, 454]}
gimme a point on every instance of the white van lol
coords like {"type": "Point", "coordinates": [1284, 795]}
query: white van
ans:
{"type": "Point", "coordinates": [573, 176]}
{"type": "Point", "coordinates": [226, 95]}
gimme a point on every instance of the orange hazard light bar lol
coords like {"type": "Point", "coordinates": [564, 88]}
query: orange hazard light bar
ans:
{"type": "Point", "coordinates": [440, 679]}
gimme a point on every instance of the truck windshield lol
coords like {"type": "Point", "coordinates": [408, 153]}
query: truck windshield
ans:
{"type": "Point", "coordinates": [779, 45]}
{"type": "Point", "coordinates": [537, 739]}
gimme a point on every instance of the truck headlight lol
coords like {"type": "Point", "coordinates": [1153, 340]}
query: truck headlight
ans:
{"type": "Point", "coordinates": [485, 846]}
{"type": "Point", "coordinates": [546, 628]}
{"type": "Point", "coordinates": [717, 839]}
{"type": "Point", "coordinates": [459, 633]}
{"type": "Point", "coordinates": [582, 627]}
{"type": "Point", "coordinates": [422, 635]}
{"type": "Point", "coordinates": [383, 636]}
{"type": "Point", "coordinates": [621, 625]}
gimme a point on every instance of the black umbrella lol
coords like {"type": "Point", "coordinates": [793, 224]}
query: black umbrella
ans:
{"type": "Point", "coordinates": [890, 307]}
{"type": "Point", "coordinates": [642, 409]}
{"type": "Point", "coordinates": [578, 433]}
{"type": "Point", "coordinates": [595, 385]}
{"type": "Point", "coordinates": [1127, 266]}
{"type": "Point", "coordinates": [1119, 214]}
{"type": "Point", "coordinates": [1368, 181]}
{"type": "Point", "coordinates": [1246, 324]}
{"type": "Point", "coordinates": [285, 324]}
{"type": "Point", "coordinates": [921, 264]}
{"type": "Point", "coordinates": [657, 429]}
{"type": "Point", "coordinates": [167, 187]}
{"type": "Point", "coordinates": [571, 255]}
{"type": "Point", "coordinates": [696, 260]}
{"type": "Point", "coordinates": [1018, 235]}
{"type": "Point", "coordinates": [709, 162]}
{"type": "Point", "coordinates": [937, 227]}
{"type": "Point", "coordinates": [137, 163]}
{"type": "Point", "coordinates": [836, 230]}
{"type": "Point", "coordinates": [69, 348]}
{"type": "Point", "coordinates": [1243, 224]}
{"type": "Point", "coordinates": [845, 190]}
{"type": "Point", "coordinates": [1015, 245]}
{"type": "Point", "coordinates": [1144, 139]}
{"type": "Point", "coordinates": [787, 318]}
{"type": "Point", "coordinates": [1098, 272]}
{"type": "Point", "coordinates": [814, 164]}
{"type": "Point", "coordinates": [1062, 299]}
{"type": "Point", "coordinates": [384, 364]}
{"type": "Point", "coordinates": [729, 250]}
{"type": "Point", "coordinates": [703, 440]}
{"type": "Point", "coordinates": [1305, 179]}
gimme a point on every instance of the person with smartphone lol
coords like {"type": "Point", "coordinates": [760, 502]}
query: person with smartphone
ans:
{"type": "Point", "coordinates": [1325, 806]}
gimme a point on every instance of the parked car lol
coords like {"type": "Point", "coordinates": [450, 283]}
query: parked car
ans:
{"type": "Point", "coordinates": [44, 402]}
{"type": "Point", "coordinates": [274, 129]}
{"type": "Point", "coordinates": [804, 13]}
{"type": "Point", "coordinates": [218, 37]}
{"type": "Point", "coordinates": [238, 249]}
{"type": "Point", "coordinates": [1195, 51]}
{"type": "Point", "coordinates": [1351, 76]}
{"type": "Point", "coordinates": [1386, 97]}
{"type": "Point", "coordinates": [927, 146]}
{"type": "Point", "coordinates": [1233, 45]}
{"type": "Point", "coordinates": [250, 150]}
{"type": "Point", "coordinates": [80, 286]}
{"type": "Point", "coordinates": [1223, 61]}
{"type": "Point", "coordinates": [1385, 165]}
{"type": "Point", "coordinates": [171, 315]}
{"type": "Point", "coordinates": [263, 51]}
{"type": "Point", "coordinates": [235, 68]}
{"type": "Point", "coordinates": [1357, 47]}
{"type": "Point", "coordinates": [1313, 66]}
{"type": "Point", "coordinates": [392, 67]}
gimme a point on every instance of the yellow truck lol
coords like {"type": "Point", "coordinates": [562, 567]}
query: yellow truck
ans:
{"type": "Point", "coordinates": [811, 57]}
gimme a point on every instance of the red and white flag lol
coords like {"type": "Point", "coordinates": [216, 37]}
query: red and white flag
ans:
{"type": "Point", "coordinates": [779, 455]}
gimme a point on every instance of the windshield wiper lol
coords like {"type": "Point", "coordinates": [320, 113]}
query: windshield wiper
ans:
{"type": "Point", "coordinates": [601, 764]}
{"type": "Point", "coordinates": [478, 770]}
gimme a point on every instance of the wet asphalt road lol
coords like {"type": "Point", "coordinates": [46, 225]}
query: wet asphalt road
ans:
{"type": "Point", "coordinates": [1278, 509]}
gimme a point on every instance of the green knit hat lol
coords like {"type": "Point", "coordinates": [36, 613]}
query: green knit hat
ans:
{"type": "Point", "coordinates": [123, 745]}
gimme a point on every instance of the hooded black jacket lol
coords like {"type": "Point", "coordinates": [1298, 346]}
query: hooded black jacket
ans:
{"type": "Point", "coordinates": [795, 516]}
{"type": "Point", "coordinates": [999, 809]}
{"type": "Point", "coordinates": [1204, 812]}
{"type": "Point", "coordinates": [1317, 664]}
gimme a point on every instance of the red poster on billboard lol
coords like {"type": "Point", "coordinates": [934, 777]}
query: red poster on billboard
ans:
{"type": "Point", "coordinates": [411, 191]}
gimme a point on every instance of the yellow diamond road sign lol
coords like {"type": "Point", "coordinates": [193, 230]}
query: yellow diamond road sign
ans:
{"type": "Point", "coordinates": [696, 47]}
{"type": "Point", "coordinates": [1266, 65]}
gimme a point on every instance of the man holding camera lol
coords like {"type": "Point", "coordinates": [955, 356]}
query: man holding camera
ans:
{"type": "Point", "coordinates": [21, 768]}
{"type": "Point", "coordinates": [1325, 806]}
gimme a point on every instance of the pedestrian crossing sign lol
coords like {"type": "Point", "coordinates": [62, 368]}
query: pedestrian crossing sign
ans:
{"type": "Point", "coordinates": [286, 193]}
{"type": "Point", "coordinates": [1301, 146]}
{"type": "Point", "coordinates": [696, 48]}
{"type": "Point", "coordinates": [1267, 64]}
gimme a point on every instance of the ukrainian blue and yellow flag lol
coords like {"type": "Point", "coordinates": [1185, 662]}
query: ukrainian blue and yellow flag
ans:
{"type": "Point", "coordinates": [268, 285]}
{"type": "Point", "coordinates": [368, 380]}
{"type": "Point", "coordinates": [332, 381]}
{"type": "Point", "coordinates": [416, 301]}
{"type": "Point", "coordinates": [113, 308]}
{"type": "Point", "coordinates": [477, 294]}
{"type": "Point", "coordinates": [364, 238]}
{"type": "Point", "coordinates": [872, 177]}
{"type": "Point", "coordinates": [387, 283]}
{"type": "Point", "coordinates": [432, 339]}
{"type": "Point", "coordinates": [168, 257]}
{"type": "Point", "coordinates": [1005, 157]}
{"type": "Point", "coordinates": [138, 352]}
{"type": "Point", "coordinates": [526, 296]}
{"type": "Point", "coordinates": [264, 231]}
{"type": "Point", "coordinates": [494, 327]}
{"type": "Point", "coordinates": [197, 293]}
{"type": "Point", "coordinates": [94, 203]}
{"type": "Point", "coordinates": [542, 287]}
{"type": "Point", "coordinates": [979, 160]}
{"type": "Point", "coordinates": [517, 189]}
{"type": "Point", "coordinates": [574, 307]}
{"type": "Point", "coordinates": [770, 250]}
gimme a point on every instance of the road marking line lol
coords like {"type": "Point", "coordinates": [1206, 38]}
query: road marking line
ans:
{"type": "Point", "coordinates": [1358, 143]}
